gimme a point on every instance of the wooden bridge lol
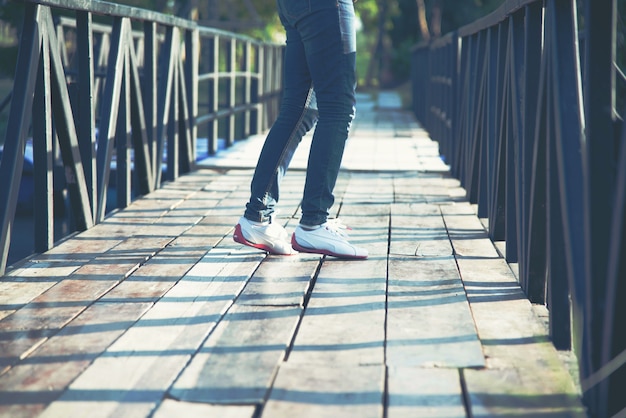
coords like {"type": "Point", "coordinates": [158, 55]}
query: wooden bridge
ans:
{"type": "Point", "coordinates": [157, 310]}
{"type": "Point", "coordinates": [494, 229]}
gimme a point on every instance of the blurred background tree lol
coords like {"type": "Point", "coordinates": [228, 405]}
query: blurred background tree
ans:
{"type": "Point", "coordinates": [387, 28]}
{"type": "Point", "coordinates": [392, 27]}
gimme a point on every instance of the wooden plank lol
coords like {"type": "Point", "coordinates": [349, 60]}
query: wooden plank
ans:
{"type": "Point", "coordinates": [345, 316]}
{"type": "Point", "coordinates": [367, 189]}
{"type": "Point", "coordinates": [281, 281]}
{"type": "Point", "coordinates": [521, 392]}
{"type": "Point", "coordinates": [27, 388]}
{"type": "Point", "coordinates": [337, 363]}
{"type": "Point", "coordinates": [425, 393]}
{"type": "Point", "coordinates": [418, 230]}
{"type": "Point", "coordinates": [20, 286]}
{"type": "Point", "coordinates": [172, 408]}
{"type": "Point", "coordinates": [469, 237]}
{"type": "Point", "coordinates": [30, 326]}
{"type": "Point", "coordinates": [525, 368]}
{"type": "Point", "coordinates": [524, 374]}
{"type": "Point", "coordinates": [429, 322]}
{"type": "Point", "coordinates": [33, 324]}
{"type": "Point", "coordinates": [407, 188]}
{"type": "Point", "coordinates": [143, 363]}
{"type": "Point", "coordinates": [344, 322]}
{"type": "Point", "coordinates": [433, 188]}
{"type": "Point", "coordinates": [311, 391]}
{"type": "Point", "coordinates": [153, 279]}
{"type": "Point", "coordinates": [512, 335]}
{"type": "Point", "coordinates": [368, 223]}
{"type": "Point", "coordinates": [37, 276]}
{"type": "Point", "coordinates": [83, 247]}
{"type": "Point", "coordinates": [239, 360]}
{"type": "Point", "coordinates": [186, 214]}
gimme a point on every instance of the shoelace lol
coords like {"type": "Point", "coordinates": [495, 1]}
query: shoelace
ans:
{"type": "Point", "coordinates": [337, 227]}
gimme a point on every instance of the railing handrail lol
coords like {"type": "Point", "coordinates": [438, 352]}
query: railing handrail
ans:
{"type": "Point", "coordinates": [499, 15]}
{"type": "Point", "coordinates": [105, 8]}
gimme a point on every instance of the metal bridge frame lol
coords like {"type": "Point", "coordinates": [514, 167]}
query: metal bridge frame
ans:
{"type": "Point", "coordinates": [534, 137]}
{"type": "Point", "coordinates": [103, 88]}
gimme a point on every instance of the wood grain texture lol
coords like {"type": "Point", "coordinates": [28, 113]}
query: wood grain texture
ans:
{"type": "Point", "coordinates": [429, 322]}
{"type": "Point", "coordinates": [344, 320]}
{"type": "Point", "coordinates": [307, 391]}
{"type": "Point", "coordinates": [424, 392]}
{"type": "Point", "coordinates": [237, 363]}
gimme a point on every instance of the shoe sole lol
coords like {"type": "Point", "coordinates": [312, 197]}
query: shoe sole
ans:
{"type": "Point", "coordinates": [302, 249]}
{"type": "Point", "coordinates": [239, 238]}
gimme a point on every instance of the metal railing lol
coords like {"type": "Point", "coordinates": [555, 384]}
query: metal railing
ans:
{"type": "Point", "coordinates": [536, 141]}
{"type": "Point", "coordinates": [118, 97]}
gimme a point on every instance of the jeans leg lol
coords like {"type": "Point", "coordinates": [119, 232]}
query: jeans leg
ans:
{"type": "Point", "coordinates": [329, 39]}
{"type": "Point", "coordinates": [298, 114]}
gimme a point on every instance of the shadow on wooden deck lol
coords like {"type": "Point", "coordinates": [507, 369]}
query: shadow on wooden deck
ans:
{"type": "Point", "coordinates": [158, 312]}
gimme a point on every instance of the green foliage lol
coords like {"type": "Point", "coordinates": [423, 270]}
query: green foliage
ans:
{"type": "Point", "coordinates": [8, 61]}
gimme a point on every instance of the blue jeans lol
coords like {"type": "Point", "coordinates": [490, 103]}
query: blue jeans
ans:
{"type": "Point", "coordinates": [319, 81]}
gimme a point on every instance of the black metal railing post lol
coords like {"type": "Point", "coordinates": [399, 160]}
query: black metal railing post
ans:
{"type": "Point", "coordinates": [600, 157]}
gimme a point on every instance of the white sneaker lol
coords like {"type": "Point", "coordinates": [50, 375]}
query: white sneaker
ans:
{"type": "Point", "coordinates": [329, 238]}
{"type": "Point", "coordinates": [267, 236]}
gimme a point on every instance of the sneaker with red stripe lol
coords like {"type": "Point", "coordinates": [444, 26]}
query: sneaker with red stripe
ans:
{"type": "Point", "coordinates": [328, 238]}
{"type": "Point", "coordinates": [267, 236]}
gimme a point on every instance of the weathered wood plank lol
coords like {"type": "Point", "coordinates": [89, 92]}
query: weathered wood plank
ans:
{"type": "Point", "coordinates": [92, 331]}
{"type": "Point", "coordinates": [34, 277]}
{"type": "Point", "coordinates": [239, 360]}
{"type": "Point", "coordinates": [424, 393]}
{"type": "Point", "coordinates": [469, 237]}
{"type": "Point", "coordinates": [433, 188]}
{"type": "Point", "coordinates": [512, 334]}
{"type": "Point", "coordinates": [418, 230]}
{"type": "Point", "coordinates": [366, 189]}
{"type": "Point", "coordinates": [281, 281]}
{"type": "Point", "coordinates": [172, 408]}
{"type": "Point", "coordinates": [369, 221]}
{"type": "Point", "coordinates": [408, 187]}
{"type": "Point", "coordinates": [512, 391]}
{"type": "Point", "coordinates": [345, 316]}
{"type": "Point", "coordinates": [429, 322]}
{"type": "Point", "coordinates": [143, 363]}
{"type": "Point", "coordinates": [344, 322]}
{"type": "Point", "coordinates": [525, 372]}
{"type": "Point", "coordinates": [26, 389]}
{"type": "Point", "coordinates": [154, 279]}
{"type": "Point", "coordinates": [63, 260]}
{"type": "Point", "coordinates": [48, 313]}
{"type": "Point", "coordinates": [312, 391]}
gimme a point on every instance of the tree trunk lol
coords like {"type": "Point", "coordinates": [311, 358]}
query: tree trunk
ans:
{"type": "Point", "coordinates": [421, 18]}
{"type": "Point", "coordinates": [375, 64]}
{"type": "Point", "coordinates": [435, 18]}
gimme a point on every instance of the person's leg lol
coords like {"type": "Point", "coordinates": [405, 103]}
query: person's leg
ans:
{"type": "Point", "coordinates": [297, 115]}
{"type": "Point", "coordinates": [329, 39]}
